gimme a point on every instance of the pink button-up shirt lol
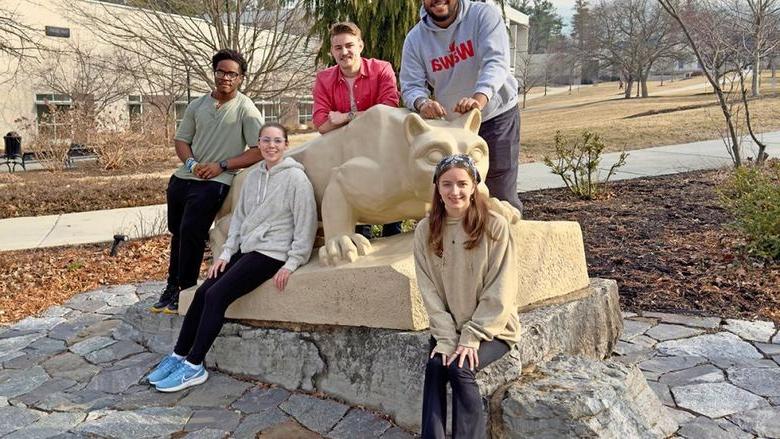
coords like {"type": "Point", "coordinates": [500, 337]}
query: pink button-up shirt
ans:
{"type": "Point", "coordinates": [375, 84]}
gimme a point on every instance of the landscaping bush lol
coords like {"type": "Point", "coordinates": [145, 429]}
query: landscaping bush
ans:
{"type": "Point", "coordinates": [752, 195]}
{"type": "Point", "coordinates": [577, 163]}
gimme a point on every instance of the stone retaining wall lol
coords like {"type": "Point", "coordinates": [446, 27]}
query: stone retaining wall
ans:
{"type": "Point", "coordinates": [383, 369]}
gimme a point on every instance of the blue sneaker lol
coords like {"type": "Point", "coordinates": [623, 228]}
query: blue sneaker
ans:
{"type": "Point", "coordinates": [166, 366]}
{"type": "Point", "coordinates": [182, 377]}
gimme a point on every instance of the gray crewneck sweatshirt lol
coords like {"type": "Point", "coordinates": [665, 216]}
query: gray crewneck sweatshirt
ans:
{"type": "Point", "coordinates": [471, 55]}
{"type": "Point", "coordinates": [276, 215]}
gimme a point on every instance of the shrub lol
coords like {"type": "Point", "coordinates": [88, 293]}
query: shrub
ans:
{"type": "Point", "coordinates": [752, 195]}
{"type": "Point", "coordinates": [577, 163]}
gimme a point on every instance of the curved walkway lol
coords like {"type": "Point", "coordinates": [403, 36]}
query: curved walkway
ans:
{"type": "Point", "coordinates": [74, 371]}
{"type": "Point", "coordinates": [102, 225]}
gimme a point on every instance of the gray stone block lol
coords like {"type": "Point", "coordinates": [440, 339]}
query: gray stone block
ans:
{"type": "Point", "coordinates": [91, 344]}
{"type": "Point", "coordinates": [77, 401]}
{"type": "Point", "coordinates": [705, 428]}
{"type": "Point", "coordinates": [117, 351]}
{"type": "Point", "coordinates": [206, 433]}
{"type": "Point", "coordinates": [149, 422]}
{"type": "Point", "coordinates": [260, 399]}
{"type": "Point", "coordinates": [257, 422]}
{"type": "Point", "coordinates": [705, 373]}
{"type": "Point", "coordinates": [578, 397]}
{"type": "Point", "coordinates": [664, 331]}
{"type": "Point", "coordinates": [359, 423]}
{"type": "Point", "coordinates": [723, 345]}
{"type": "Point", "coordinates": [214, 418]}
{"type": "Point", "coordinates": [14, 418]}
{"type": "Point", "coordinates": [671, 364]}
{"type": "Point", "coordinates": [70, 365]}
{"type": "Point", "coordinates": [681, 319]}
{"type": "Point", "coordinates": [633, 328]}
{"type": "Point", "coordinates": [218, 391]}
{"type": "Point", "coordinates": [319, 415]}
{"type": "Point", "coordinates": [397, 433]}
{"type": "Point", "coordinates": [18, 382]}
{"type": "Point", "coordinates": [715, 399]}
{"type": "Point", "coordinates": [761, 381]}
{"type": "Point", "coordinates": [760, 331]}
{"type": "Point", "coordinates": [44, 390]}
{"type": "Point", "coordinates": [37, 324]}
{"type": "Point", "coordinates": [49, 426]}
{"type": "Point", "coordinates": [763, 422]}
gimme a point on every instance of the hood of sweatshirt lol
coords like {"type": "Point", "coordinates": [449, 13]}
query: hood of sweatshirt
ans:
{"type": "Point", "coordinates": [463, 6]}
{"type": "Point", "coordinates": [286, 163]}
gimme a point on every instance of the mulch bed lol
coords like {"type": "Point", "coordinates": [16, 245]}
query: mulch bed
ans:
{"type": "Point", "coordinates": [665, 240]}
{"type": "Point", "coordinates": [38, 193]}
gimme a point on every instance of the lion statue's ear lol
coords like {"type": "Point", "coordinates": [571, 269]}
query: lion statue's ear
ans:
{"type": "Point", "coordinates": [470, 121]}
{"type": "Point", "coordinates": [414, 125]}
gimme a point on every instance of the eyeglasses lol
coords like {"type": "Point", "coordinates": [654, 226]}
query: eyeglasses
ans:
{"type": "Point", "coordinates": [275, 140]}
{"type": "Point", "coordinates": [221, 74]}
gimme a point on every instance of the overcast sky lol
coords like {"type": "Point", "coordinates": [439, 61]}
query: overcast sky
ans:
{"type": "Point", "coordinates": [566, 10]}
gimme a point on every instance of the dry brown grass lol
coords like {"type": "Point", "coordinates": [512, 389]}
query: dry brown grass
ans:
{"type": "Point", "coordinates": [600, 109]}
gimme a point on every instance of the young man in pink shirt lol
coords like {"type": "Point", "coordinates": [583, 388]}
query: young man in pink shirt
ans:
{"type": "Point", "coordinates": [353, 85]}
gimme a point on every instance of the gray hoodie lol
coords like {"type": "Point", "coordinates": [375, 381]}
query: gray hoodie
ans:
{"type": "Point", "coordinates": [471, 55]}
{"type": "Point", "coordinates": [276, 215]}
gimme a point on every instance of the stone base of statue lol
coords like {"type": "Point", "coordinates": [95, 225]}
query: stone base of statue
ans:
{"type": "Point", "coordinates": [379, 290]}
{"type": "Point", "coordinates": [383, 368]}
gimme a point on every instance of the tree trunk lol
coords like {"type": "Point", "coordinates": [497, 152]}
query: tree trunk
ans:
{"type": "Point", "coordinates": [525, 93]}
{"type": "Point", "coordinates": [643, 82]}
{"type": "Point", "coordinates": [755, 83]}
{"type": "Point", "coordinates": [629, 87]}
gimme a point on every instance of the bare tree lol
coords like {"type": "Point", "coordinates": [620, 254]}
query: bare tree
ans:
{"type": "Point", "coordinates": [15, 36]}
{"type": "Point", "coordinates": [529, 74]}
{"type": "Point", "coordinates": [92, 81]}
{"type": "Point", "coordinates": [760, 23]}
{"type": "Point", "coordinates": [631, 35]}
{"type": "Point", "coordinates": [271, 34]}
{"type": "Point", "coordinates": [700, 24]}
{"type": "Point", "coordinates": [159, 86]}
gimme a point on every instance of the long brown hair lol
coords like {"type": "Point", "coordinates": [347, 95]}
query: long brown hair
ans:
{"type": "Point", "coordinates": [473, 222]}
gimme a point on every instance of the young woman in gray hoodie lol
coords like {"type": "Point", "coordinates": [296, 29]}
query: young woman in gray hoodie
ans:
{"type": "Point", "coordinates": [271, 234]}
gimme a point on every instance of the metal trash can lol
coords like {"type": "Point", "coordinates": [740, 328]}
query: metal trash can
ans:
{"type": "Point", "coordinates": [13, 144]}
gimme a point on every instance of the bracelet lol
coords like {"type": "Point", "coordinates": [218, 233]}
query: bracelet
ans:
{"type": "Point", "coordinates": [420, 102]}
{"type": "Point", "coordinates": [190, 164]}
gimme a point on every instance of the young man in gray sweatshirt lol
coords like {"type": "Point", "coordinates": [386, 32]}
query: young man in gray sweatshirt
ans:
{"type": "Point", "coordinates": [460, 50]}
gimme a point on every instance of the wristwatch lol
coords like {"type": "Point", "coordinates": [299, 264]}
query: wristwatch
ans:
{"type": "Point", "coordinates": [224, 165]}
{"type": "Point", "coordinates": [350, 116]}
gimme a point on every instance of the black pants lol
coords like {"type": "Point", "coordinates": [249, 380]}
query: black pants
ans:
{"type": "Point", "coordinates": [502, 134]}
{"type": "Point", "coordinates": [468, 419]}
{"type": "Point", "coordinates": [206, 314]}
{"type": "Point", "coordinates": [192, 206]}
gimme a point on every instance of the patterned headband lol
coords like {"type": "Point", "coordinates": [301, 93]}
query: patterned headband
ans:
{"type": "Point", "coordinates": [457, 160]}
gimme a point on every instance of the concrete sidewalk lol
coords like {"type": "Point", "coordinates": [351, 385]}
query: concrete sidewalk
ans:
{"type": "Point", "coordinates": [101, 226]}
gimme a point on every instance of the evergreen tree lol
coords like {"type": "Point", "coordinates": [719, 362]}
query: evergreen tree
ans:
{"type": "Point", "coordinates": [384, 25]}
{"type": "Point", "coordinates": [544, 22]}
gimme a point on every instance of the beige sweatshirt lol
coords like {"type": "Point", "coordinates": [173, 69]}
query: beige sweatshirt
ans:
{"type": "Point", "coordinates": [470, 295]}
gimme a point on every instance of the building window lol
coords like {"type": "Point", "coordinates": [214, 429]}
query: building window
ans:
{"type": "Point", "coordinates": [59, 32]}
{"type": "Point", "coordinates": [50, 109]}
{"type": "Point", "coordinates": [269, 109]}
{"type": "Point", "coordinates": [179, 107]}
{"type": "Point", "coordinates": [305, 111]}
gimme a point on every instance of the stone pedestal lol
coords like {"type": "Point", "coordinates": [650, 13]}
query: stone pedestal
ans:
{"type": "Point", "coordinates": [382, 368]}
{"type": "Point", "coordinates": [380, 290]}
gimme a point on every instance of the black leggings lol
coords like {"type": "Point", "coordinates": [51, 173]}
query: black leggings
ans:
{"type": "Point", "coordinates": [206, 314]}
{"type": "Point", "coordinates": [468, 419]}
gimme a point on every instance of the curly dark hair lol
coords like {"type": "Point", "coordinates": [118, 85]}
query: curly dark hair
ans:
{"type": "Point", "coordinates": [231, 55]}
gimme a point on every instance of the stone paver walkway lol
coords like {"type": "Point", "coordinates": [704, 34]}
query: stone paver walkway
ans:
{"type": "Point", "coordinates": [73, 371]}
{"type": "Point", "coordinates": [718, 378]}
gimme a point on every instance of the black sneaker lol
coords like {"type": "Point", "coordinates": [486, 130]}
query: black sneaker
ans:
{"type": "Point", "coordinates": [166, 298]}
{"type": "Point", "coordinates": [173, 305]}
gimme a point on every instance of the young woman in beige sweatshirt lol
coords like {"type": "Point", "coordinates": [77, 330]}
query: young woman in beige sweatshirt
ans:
{"type": "Point", "coordinates": [465, 271]}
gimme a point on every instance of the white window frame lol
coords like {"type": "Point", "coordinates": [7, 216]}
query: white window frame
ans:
{"type": "Point", "coordinates": [277, 106]}
{"type": "Point", "coordinates": [45, 100]}
{"type": "Point", "coordinates": [305, 118]}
